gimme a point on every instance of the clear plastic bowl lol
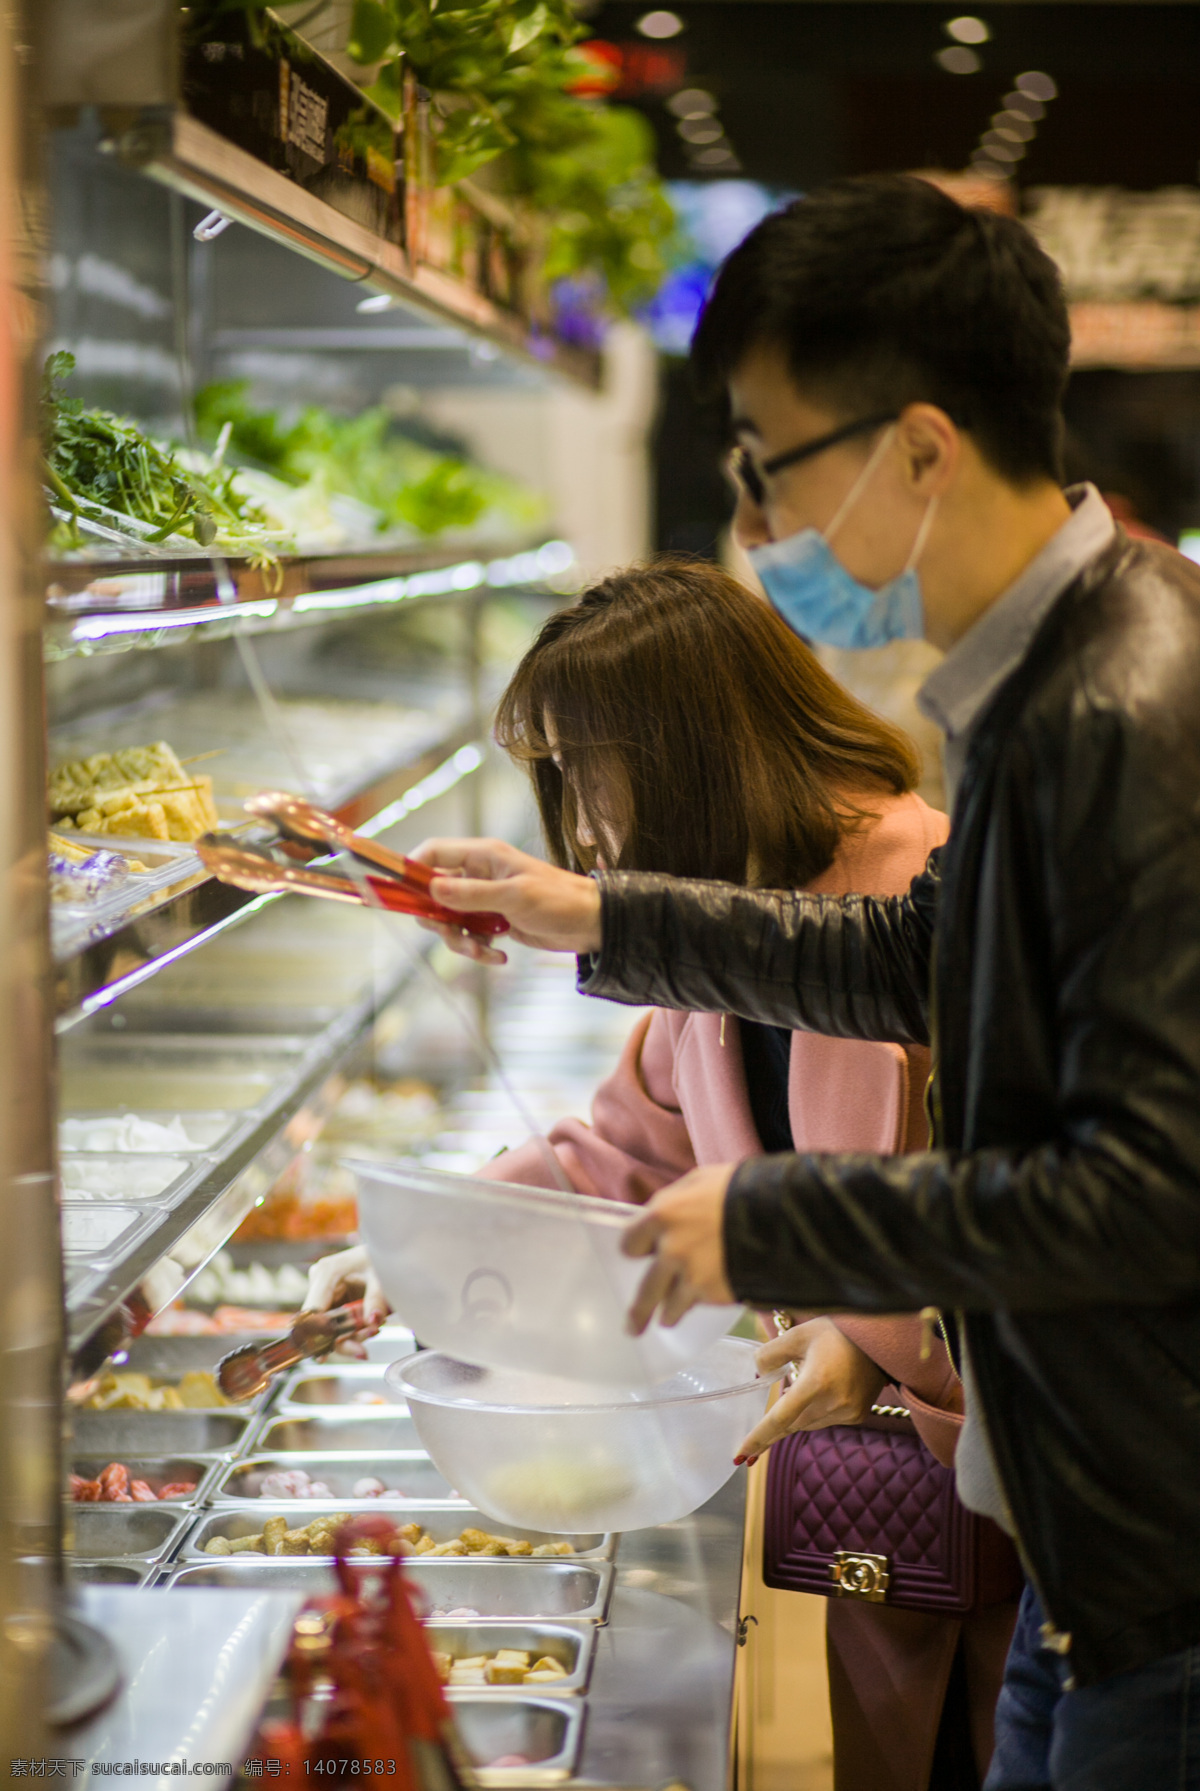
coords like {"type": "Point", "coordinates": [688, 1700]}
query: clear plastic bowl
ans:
{"type": "Point", "coordinates": [545, 1454]}
{"type": "Point", "coordinates": [513, 1277]}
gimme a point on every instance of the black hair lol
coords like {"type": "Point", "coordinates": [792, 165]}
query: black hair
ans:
{"type": "Point", "coordinates": [883, 291]}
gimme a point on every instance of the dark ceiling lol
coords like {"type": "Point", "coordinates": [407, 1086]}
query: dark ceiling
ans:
{"type": "Point", "coordinates": [808, 91]}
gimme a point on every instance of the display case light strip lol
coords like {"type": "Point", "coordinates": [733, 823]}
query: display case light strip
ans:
{"type": "Point", "coordinates": [98, 628]}
{"type": "Point", "coordinates": [444, 777]}
{"type": "Point", "coordinates": [548, 561]}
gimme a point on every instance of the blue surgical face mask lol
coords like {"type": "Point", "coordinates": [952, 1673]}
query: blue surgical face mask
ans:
{"type": "Point", "coordinates": [816, 596]}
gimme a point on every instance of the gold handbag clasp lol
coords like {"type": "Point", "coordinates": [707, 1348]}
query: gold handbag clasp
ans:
{"type": "Point", "coordinates": [860, 1576]}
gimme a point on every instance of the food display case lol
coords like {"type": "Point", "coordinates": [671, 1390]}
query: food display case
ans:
{"type": "Point", "coordinates": [194, 1058]}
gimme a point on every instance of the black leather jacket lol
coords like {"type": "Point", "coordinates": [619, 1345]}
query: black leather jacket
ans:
{"type": "Point", "coordinates": [1051, 953]}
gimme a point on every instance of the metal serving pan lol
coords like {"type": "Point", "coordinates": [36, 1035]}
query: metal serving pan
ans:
{"type": "Point", "coordinates": [442, 1522]}
{"type": "Point", "coordinates": [413, 1474]}
{"type": "Point", "coordinates": [573, 1648]}
{"type": "Point", "coordinates": [547, 1731]}
{"type": "Point", "coordinates": [500, 1591]}
{"type": "Point", "coordinates": [110, 1573]}
{"type": "Point", "coordinates": [338, 1384]}
{"type": "Point", "coordinates": [125, 1435]}
{"type": "Point", "coordinates": [104, 1532]}
{"type": "Point", "coordinates": [157, 1470]}
{"type": "Point", "coordinates": [374, 1432]}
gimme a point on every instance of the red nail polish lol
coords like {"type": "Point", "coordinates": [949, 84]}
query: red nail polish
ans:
{"type": "Point", "coordinates": [750, 1460]}
{"type": "Point", "coordinates": [738, 1460]}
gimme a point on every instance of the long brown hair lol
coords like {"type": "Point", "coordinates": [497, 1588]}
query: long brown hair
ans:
{"type": "Point", "coordinates": [694, 732]}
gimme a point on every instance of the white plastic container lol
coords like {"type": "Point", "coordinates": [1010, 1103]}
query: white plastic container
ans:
{"type": "Point", "coordinates": [512, 1277]}
{"type": "Point", "coordinates": [544, 1454]}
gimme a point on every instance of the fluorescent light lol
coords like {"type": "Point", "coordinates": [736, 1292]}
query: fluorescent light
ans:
{"type": "Point", "coordinates": [958, 60]}
{"type": "Point", "coordinates": [660, 24]}
{"type": "Point", "coordinates": [691, 102]}
{"type": "Point", "coordinates": [967, 30]}
{"type": "Point", "coordinates": [1037, 85]}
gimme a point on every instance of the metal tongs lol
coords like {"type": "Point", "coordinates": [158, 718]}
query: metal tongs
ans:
{"type": "Point", "coordinates": [247, 1370]}
{"type": "Point", "coordinates": [403, 888]}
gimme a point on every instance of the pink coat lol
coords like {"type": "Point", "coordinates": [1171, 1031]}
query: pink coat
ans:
{"type": "Point", "coordinates": [677, 1098]}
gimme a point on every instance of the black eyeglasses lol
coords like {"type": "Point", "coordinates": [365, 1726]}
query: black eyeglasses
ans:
{"type": "Point", "coordinates": [752, 476]}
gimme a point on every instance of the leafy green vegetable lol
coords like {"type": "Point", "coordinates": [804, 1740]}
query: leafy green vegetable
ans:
{"type": "Point", "coordinates": [499, 71]}
{"type": "Point", "coordinates": [366, 457]}
{"type": "Point", "coordinates": [102, 467]}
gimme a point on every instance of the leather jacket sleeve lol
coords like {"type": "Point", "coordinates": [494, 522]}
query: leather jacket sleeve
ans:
{"type": "Point", "coordinates": [848, 966]}
{"type": "Point", "coordinates": [1105, 1210]}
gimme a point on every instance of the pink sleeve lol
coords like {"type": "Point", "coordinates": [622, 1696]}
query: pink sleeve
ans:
{"type": "Point", "coordinates": [929, 1388]}
{"type": "Point", "coordinates": [637, 1141]}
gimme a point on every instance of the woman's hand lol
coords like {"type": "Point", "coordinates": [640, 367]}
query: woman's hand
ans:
{"type": "Point", "coordinates": [835, 1384]}
{"type": "Point", "coordinates": [682, 1229]}
{"type": "Point", "coordinates": [344, 1276]}
{"type": "Point", "coordinates": [551, 909]}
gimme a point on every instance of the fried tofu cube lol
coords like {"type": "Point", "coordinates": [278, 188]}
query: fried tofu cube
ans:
{"type": "Point", "coordinates": [274, 1531]}
{"type": "Point", "coordinates": [295, 1542]}
{"type": "Point", "coordinates": [184, 814]}
{"type": "Point", "coordinates": [441, 1665]}
{"type": "Point", "coordinates": [410, 1533]}
{"type": "Point", "coordinates": [475, 1539]}
{"type": "Point", "coordinates": [496, 1674]}
{"type": "Point", "coordinates": [517, 1549]}
{"type": "Point", "coordinates": [464, 1675]}
{"type": "Point", "coordinates": [511, 1657]}
{"type": "Point", "coordinates": [549, 1668]}
{"type": "Point", "coordinates": [199, 1388]}
{"type": "Point", "coordinates": [424, 1545]}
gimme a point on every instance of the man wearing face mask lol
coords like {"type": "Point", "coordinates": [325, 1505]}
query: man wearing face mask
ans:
{"type": "Point", "coordinates": [895, 368]}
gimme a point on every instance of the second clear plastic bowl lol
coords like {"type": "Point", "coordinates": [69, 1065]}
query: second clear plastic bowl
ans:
{"type": "Point", "coordinates": [544, 1454]}
{"type": "Point", "coordinates": [514, 1277]}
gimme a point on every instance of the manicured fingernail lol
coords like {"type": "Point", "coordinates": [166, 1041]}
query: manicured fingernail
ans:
{"type": "Point", "coordinates": [750, 1460]}
{"type": "Point", "coordinates": [738, 1460]}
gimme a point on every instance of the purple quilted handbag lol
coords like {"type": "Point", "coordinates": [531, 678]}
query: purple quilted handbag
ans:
{"type": "Point", "coordinates": [864, 1511]}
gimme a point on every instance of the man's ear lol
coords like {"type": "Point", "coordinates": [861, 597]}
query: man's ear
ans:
{"type": "Point", "coordinates": [930, 445]}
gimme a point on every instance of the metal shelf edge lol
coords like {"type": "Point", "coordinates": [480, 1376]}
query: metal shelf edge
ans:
{"type": "Point", "coordinates": [172, 147]}
{"type": "Point", "coordinates": [168, 930]}
{"type": "Point", "coordinates": [241, 1174]}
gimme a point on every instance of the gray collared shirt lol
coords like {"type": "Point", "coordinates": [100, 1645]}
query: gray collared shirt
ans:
{"type": "Point", "coordinates": [957, 691]}
{"type": "Point", "coordinates": [954, 695]}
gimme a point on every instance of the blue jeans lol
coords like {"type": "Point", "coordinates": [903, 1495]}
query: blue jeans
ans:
{"type": "Point", "coordinates": [1135, 1731]}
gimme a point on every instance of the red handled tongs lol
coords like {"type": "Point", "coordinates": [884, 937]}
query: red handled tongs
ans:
{"type": "Point", "coordinates": [246, 1371]}
{"type": "Point", "coordinates": [403, 886]}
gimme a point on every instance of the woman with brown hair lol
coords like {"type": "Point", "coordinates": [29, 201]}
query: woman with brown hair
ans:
{"type": "Point", "coordinates": [670, 721]}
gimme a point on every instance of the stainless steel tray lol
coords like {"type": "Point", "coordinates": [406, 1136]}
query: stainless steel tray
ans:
{"type": "Point", "coordinates": [413, 1474]}
{"type": "Point", "coordinates": [158, 1470]}
{"type": "Point", "coordinates": [573, 1648]}
{"type": "Point", "coordinates": [369, 1431]}
{"type": "Point", "coordinates": [104, 1532]}
{"type": "Point", "coordinates": [355, 1385]}
{"type": "Point", "coordinates": [124, 1435]}
{"type": "Point", "coordinates": [443, 1523]}
{"type": "Point", "coordinates": [547, 1731]}
{"type": "Point", "coordinates": [110, 1573]}
{"type": "Point", "coordinates": [501, 1591]}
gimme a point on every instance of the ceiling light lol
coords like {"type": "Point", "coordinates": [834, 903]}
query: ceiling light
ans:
{"type": "Point", "coordinates": [967, 30]}
{"type": "Point", "coordinates": [722, 157]}
{"type": "Point", "coordinates": [378, 301]}
{"type": "Point", "coordinates": [693, 102]}
{"type": "Point", "coordinates": [660, 24]}
{"type": "Point", "coordinates": [1037, 85]}
{"type": "Point", "coordinates": [987, 169]}
{"type": "Point", "coordinates": [700, 130]}
{"type": "Point", "coordinates": [1001, 149]}
{"type": "Point", "coordinates": [1025, 105]}
{"type": "Point", "coordinates": [1013, 126]}
{"type": "Point", "coordinates": [958, 60]}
